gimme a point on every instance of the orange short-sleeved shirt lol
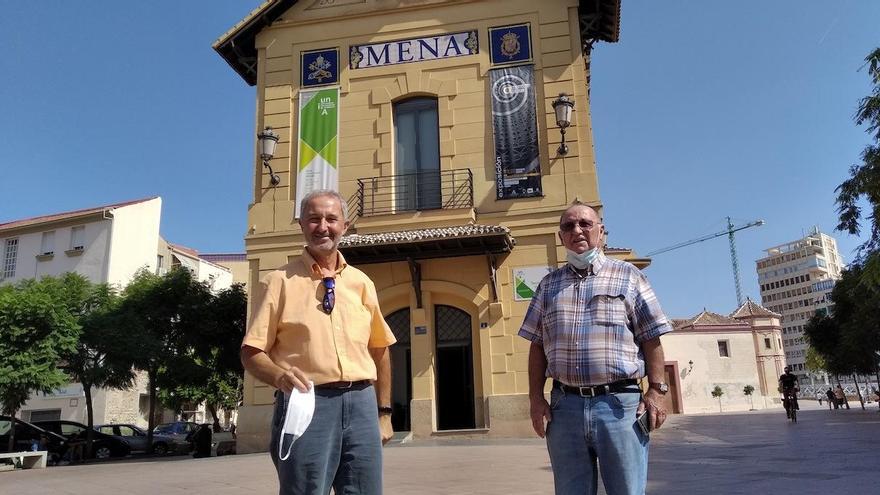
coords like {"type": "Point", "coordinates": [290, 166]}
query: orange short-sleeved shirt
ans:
{"type": "Point", "coordinates": [287, 322]}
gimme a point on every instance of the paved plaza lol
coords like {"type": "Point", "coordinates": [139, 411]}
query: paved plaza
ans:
{"type": "Point", "coordinates": [827, 452]}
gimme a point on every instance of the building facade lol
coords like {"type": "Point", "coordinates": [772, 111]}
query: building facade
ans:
{"type": "Point", "coordinates": [446, 142]}
{"type": "Point", "coordinates": [796, 279]}
{"type": "Point", "coordinates": [730, 352]}
{"type": "Point", "coordinates": [105, 244]}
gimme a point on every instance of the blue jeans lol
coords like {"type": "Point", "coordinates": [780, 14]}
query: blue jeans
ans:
{"type": "Point", "coordinates": [584, 430]}
{"type": "Point", "coordinates": [341, 448]}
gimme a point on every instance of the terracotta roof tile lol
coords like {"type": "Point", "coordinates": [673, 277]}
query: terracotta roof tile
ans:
{"type": "Point", "coordinates": [407, 236]}
{"type": "Point", "coordinates": [751, 308]}
{"type": "Point", "coordinates": [68, 214]}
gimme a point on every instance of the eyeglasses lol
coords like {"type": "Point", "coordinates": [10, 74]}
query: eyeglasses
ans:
{"type": "Point", "coordinates": [329, 294]}
{"type": "Point", "coordinates": [583, 224]}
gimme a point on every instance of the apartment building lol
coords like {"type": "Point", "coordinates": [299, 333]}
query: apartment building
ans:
{"type": "Point", "coordinates": [796, 279]}
{"type": "Point", "coordinates": [105, 244]}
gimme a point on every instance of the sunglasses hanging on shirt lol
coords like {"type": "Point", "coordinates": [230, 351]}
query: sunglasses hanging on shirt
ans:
{"type": "Point", "coordinates": [329, 294]}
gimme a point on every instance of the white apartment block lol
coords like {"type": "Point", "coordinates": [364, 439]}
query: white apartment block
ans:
{"type": "Point", "coordinates": [105, 244]}
{"type": "Point", "coordinates": [796, 279]}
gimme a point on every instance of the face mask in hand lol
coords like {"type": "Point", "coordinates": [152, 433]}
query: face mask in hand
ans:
{"type": "Point", "coordinates": [300, 409]}
{"type": "Point", "coordinates": [583, 260]}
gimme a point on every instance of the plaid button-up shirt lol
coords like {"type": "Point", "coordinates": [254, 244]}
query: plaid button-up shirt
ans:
{"type": "Point", "coordinates": [591, 326]}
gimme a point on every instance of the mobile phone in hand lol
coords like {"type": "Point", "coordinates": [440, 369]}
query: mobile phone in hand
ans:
{"type": "Point", "coordinates": [643, 420]}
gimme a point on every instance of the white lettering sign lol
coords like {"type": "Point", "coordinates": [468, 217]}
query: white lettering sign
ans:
{"type": "Point", "coordinates": [414, 50]}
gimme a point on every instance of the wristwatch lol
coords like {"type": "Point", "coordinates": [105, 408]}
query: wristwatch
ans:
{"type": "Point", "coordinates": [659, 386]}
{"type": "Point", "coordinates": [385, 410]}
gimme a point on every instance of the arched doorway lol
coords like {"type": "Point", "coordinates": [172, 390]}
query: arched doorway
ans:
{"type": "Point", "coordinates": [455, 369]}
{"type": "Point", "coordinates": [401, 369]}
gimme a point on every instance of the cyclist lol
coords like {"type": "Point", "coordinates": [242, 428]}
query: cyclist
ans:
{"type": "Point", "coordinates": [789, 383]}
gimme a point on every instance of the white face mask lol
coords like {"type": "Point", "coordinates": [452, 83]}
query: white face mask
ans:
{"type": "Point", "coordinates": [583, 260]}
{"type": "Point", "coordinates": [300, 409]}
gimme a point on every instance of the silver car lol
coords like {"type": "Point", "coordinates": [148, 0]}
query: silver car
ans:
{"type": "Point", "coordinates": [137, 438]}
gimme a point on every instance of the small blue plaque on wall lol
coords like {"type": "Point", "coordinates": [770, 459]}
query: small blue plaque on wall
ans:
{"type": "Point", "coordinates": [510, 44]}
{"type": "Point", "coordinates": [319, 67]}
{"type": "Point", "coordinates": [421, 330]}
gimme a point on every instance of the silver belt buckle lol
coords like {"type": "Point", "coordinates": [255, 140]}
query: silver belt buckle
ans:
{"type": "Point", "coordinates": [350, 384]}
{"type": "Point", "coordinates": [586, 392]}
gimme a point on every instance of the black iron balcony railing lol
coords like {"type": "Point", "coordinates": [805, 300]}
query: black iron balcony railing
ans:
{"type": "Point", "coordinates": [438, 190]}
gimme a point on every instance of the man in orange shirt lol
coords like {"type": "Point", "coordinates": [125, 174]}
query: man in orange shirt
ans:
{"type": "Point", "coordinates": [318, 320]}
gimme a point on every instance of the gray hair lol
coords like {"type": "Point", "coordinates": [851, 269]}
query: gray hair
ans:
{"type": "Point", "coordinates": [320, 193]}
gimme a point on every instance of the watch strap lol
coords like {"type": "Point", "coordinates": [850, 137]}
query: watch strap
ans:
{"type": "Point", "coordinates": [385, 410]}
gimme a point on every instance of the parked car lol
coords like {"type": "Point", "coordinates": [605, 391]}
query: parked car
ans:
{"type": "Point", "coordinates": [181, 431]}
{"type": "Point", "coordinates": [223, 443]}
{"type": "Point", "coordinates": [104, 445]}
{"type": "Point", "coordinates": [137, 439]}
{"type": "Point", "coordinates": [25, 436]}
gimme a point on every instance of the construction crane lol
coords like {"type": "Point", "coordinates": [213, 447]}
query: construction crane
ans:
{"type": "Point", "coordinates": [733, 258]}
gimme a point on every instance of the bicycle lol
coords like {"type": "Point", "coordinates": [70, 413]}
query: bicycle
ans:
{"type": "Point", "coordinates": [789, 401]}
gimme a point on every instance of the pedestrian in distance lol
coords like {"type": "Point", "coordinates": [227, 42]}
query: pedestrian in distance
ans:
{"type": "Point", "coordinates": [317, 321]}
{"type": "Point", "coordinates": [594, 326]}
{"type": "Point", "coordinates": [840, 395]}
{"type": "Point", "coordinates": [819, 397]}
{"type": "Point", "coordinates": [829, 394]}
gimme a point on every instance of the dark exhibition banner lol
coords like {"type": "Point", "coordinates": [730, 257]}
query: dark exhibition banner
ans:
{"type": "Point", "coordinates": [517, 165]}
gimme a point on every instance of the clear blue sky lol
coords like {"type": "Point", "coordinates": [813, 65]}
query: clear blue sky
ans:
{"type": "Point", "coordinates": [700, 112]}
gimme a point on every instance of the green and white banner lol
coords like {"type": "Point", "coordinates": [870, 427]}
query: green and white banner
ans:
{"type": "Point", "coordinates": [526, 280]}
{"type": "Point", "coordinates": [318, 144]}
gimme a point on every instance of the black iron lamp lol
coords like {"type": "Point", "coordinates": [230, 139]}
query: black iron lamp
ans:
{"type": "Point", "coordinates": [563, 106]}
{"type": "Point", "coordinates": [268, 140]}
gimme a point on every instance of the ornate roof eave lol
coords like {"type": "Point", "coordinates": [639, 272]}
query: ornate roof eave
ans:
{"type": "Point", "coordinates": [440, 242]}
{"type": "Point", "coordinates": [599, 20]}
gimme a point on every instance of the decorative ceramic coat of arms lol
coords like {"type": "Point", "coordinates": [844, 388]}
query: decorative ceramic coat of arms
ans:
{"type": "Point", "coordinates": [319, 67]}
{"type": "Point", "coordinates": [510, 44]}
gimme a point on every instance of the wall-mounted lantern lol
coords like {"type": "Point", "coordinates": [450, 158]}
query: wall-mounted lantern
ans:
{"type": "Point", "coordinates": [268, 140]}
{"type": "Point", "coordinates": [563, 106]}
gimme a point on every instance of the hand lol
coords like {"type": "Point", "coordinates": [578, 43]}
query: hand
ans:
{"type": "Point", "coordinates": [293, 378]}
{"type": "Point", "coordinates": [385, 428]}
{"type": "Point", "coordinates": [652, 401]}
{"type": "Point", "coordinates": [539, 410]}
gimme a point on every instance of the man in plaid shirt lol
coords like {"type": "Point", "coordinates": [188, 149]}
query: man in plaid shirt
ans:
{"type": "Point", "coordinates": [595, 328]}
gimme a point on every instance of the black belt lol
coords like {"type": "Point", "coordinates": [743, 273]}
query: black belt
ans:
{"type": "Point", "coordinates": [596, 390]}
{"type": "Point", "coordinates": [344, 385]}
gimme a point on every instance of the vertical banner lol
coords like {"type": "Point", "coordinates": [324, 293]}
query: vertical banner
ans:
{"type": "Point", "coordinates": [517, 163]}
{"type": "Point", "coordinates": [317, 146]}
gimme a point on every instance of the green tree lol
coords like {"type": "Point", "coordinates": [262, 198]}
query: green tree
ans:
{"type": "Point", "coordinates": [747, 391]}
{"type": "Point", "coordinates": [214, 348]}
{"type": "Point", "coordinates": [717, 393]}
{"type": "Point", "coordinates": [814, 361]}
{"type": "Point", "coordinates": [35, 332]}
{"type": "Point", "coordinates": [864, 178]}
{"type": "Point", "coordinates": [97, 361]}
{"type": "Point", "coordinates": [166, 316]}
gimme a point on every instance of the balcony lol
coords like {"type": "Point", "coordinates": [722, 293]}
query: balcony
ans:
{"type": "Point", "coordinates": [439, 190]}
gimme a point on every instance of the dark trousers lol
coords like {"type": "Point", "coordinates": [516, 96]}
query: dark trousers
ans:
{"type": "Point", "coordinates": [341, 448]}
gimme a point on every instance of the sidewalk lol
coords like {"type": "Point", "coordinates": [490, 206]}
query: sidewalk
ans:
{"type": "Point", "coordinates": [826, 452]}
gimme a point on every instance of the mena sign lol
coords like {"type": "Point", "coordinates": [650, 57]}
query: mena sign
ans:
{"type": "Point", "coordinates": [414, 50]}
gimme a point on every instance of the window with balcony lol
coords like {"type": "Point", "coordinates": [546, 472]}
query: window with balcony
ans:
{"type": "Point", "coordinates": [417, 155]}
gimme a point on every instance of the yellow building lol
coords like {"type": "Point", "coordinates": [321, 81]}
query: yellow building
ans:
{"type": "Point", "coordinates": [447, 143]}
